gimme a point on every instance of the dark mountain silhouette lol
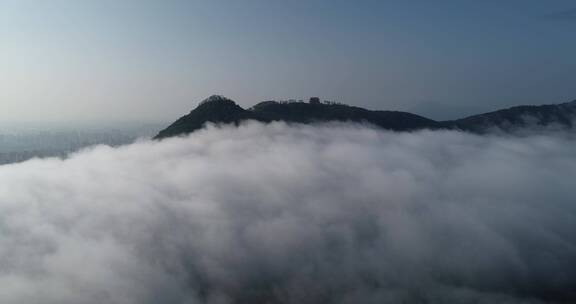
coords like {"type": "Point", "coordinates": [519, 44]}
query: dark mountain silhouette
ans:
{"type": "Point", "coordinates": [521, 117]}
{"type": "Point", "coordinates": [216, 109]}
{"type": "Point", "coordinates": [219, 109]}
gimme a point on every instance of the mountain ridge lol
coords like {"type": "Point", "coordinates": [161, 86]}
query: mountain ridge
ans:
{"type": "Point", "coordinates": [518, 117]}
{"type": "Point", "coordinates": [222, 110]}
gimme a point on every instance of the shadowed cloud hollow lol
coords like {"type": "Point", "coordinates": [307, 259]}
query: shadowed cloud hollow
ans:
{"type": "Point", "coordinates": [294, 214]}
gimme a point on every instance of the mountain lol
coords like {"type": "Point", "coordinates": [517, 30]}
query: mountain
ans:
{"type": "Point", "coordinates": [219, 109]}
{"type": "Point", "coordinates": [521, 117]}
{"type": "Point", "coordinates": [216, 109]}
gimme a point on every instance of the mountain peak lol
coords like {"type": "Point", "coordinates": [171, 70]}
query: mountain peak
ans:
{"type": "Point", "coordinates": [216, 102]}
{"type": "Point", "coordinates": [217, 99]}
{"type": "Point", "coordinates": [215, 109]}
{"type": "Point", "coordinates": [219, 109]}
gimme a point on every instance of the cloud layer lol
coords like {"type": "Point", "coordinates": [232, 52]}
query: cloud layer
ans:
{"type": "Point", "coordinates": [300, 214]}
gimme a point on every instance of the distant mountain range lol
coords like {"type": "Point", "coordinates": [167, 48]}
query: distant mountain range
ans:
{"type": "Point", "coordinates": [520, 117]}
{"type": "Point", "coordinates": [219, 109]}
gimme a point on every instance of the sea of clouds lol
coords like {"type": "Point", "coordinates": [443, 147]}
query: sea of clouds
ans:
{"type": "Point", "coordinates": [294, 214]}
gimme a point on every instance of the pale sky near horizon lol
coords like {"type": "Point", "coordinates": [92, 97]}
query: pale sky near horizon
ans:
{"type": "Point", "coordinates": [153, 60]}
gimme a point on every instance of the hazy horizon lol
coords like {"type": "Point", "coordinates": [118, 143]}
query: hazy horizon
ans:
{"type": "Point", "coordinates": [66, 60]}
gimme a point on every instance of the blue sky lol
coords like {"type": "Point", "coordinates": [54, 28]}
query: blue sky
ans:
{"type": "Point", "coordinates": [154, 60]}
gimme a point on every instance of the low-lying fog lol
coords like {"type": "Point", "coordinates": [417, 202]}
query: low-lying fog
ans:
{"type": "Point", "coordinates": [294, 214]}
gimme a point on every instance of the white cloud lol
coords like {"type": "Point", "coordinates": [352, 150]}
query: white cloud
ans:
{"type": "Point", "coordinates": [300, 214]}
